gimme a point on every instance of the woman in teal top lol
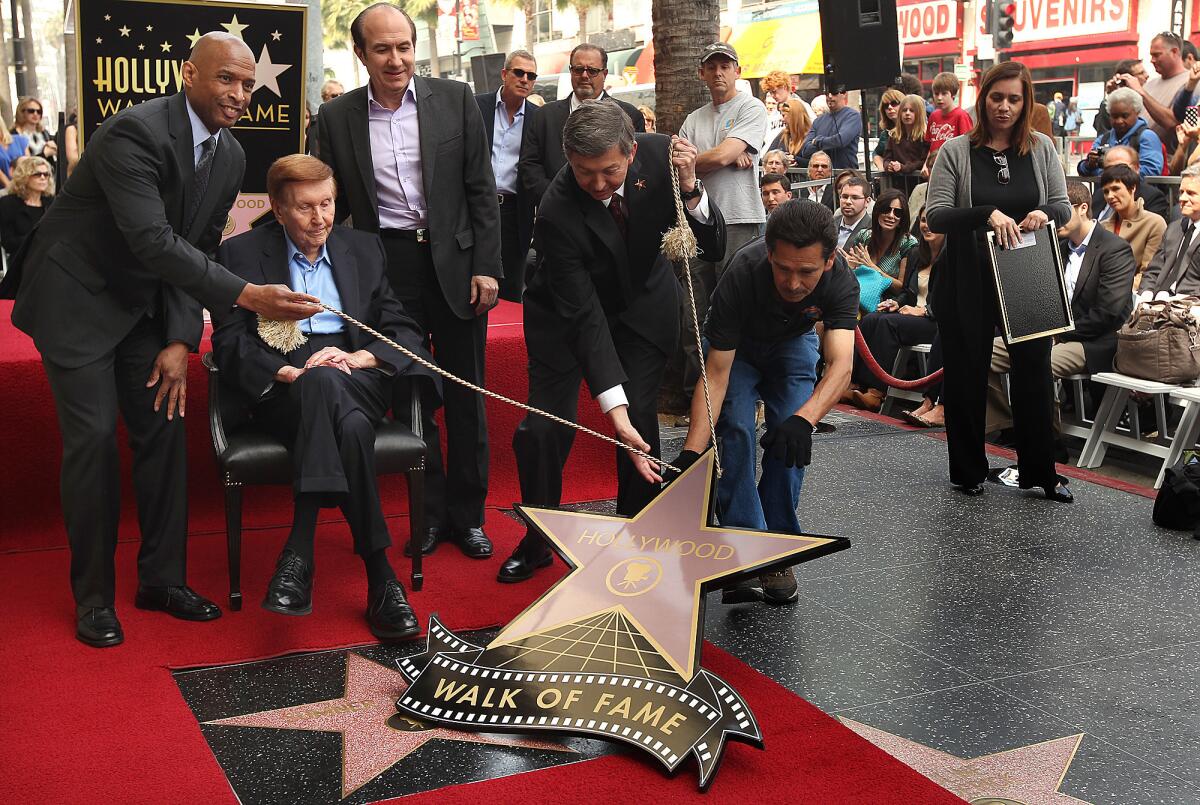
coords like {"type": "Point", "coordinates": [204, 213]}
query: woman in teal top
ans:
{"type": "Point", "coordinates": [885, 246]}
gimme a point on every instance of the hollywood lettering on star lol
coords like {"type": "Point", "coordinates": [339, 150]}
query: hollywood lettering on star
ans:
{"type": "Point", "coordinates": [133, 50]}
{"type": "Point", "coordinates": [613, 649]}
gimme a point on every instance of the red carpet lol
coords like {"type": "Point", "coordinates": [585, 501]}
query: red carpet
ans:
{"type": "Point", "coordinates": [111, 726]}
{"type": "Point", "coordinates": [30, 517]}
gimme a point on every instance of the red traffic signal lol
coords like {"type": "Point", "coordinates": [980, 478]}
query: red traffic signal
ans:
{"type": "Point", "coordinates": [1004, 17]}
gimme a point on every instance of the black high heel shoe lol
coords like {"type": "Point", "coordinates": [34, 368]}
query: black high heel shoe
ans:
{"type": "Point", "coordinates": [970, 490]}
{"type": "Point", "coordinates": [1060, 492]}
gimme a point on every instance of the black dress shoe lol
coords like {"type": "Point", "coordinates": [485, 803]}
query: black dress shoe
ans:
{"type": "Point", "coordinates": [389, 615]}
{"type": "Point", "coordinates": [180, 602]}
{"type": "Point", "coordinates": [473, 543]}
{"type": "Point", "coordinates": [970, 490]}
{"type": "Point", "coordinates": [98, 627]}
{"type": "Point", "coordinates": [527, 558]}
{"type": "Point", "coordinates": [429, 543]}
{"type": "Point", "coordinates": [290, 590]}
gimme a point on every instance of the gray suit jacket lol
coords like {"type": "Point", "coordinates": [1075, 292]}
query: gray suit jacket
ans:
{"type": "Point", "coordinates": [1159, 275]}
{"type": "Point", "coordinates": [113, 246]}
{"type": "Point", "coordinates": [863, 223]}
{"type": "Point", "coordinates": [456, 173]}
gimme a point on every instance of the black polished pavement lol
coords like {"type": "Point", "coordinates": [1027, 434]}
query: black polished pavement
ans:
{"type": "Point", "coordinates": [975, 626]}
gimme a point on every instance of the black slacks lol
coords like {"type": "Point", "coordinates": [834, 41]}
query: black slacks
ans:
{"type": "Point", "coordinates": [87, 399]}
{"type": "Point", "coordinates": [329, 417]}
{"type": "Point", "coordinates": [885, 333]}
{"type": "Point", "coordinates": [512, 251]}
{"type": "Point", "coordinates": [456, 488]}
{"type": "Point", "coordinates": [542, 446]}
{"type": "Point", "coordinates": [966, 336]}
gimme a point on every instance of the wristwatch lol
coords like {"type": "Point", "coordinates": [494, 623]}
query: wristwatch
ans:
{"type": "Point", "coordinates": [695, 192]}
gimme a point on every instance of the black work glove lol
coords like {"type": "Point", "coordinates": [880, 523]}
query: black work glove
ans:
{"type": "Point", "coordinates": [790, 442]}
{"type": "Point", "coordinates": [685, 459]}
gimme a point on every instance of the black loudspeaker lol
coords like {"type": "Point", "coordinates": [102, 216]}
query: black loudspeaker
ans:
{"type": "Point", "coordinates": [861, 43]}
{"type": "Point", "coordinates": [485, 70]}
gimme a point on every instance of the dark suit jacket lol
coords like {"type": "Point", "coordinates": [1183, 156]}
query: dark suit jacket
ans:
{"type": "Point", "coordinates": [588, 279]}
{"type": "Point", "coordinates": [1103, 297]}
{"type": "Point", "coordinates": [1159, 274]}
{"type": "Point", "coordinates": [456, 173]}
{"type": "Point", "coordinates": [113, 245]}
{"type": "Point", "coordinates": [541, 148]}
{"type": "Point", "coordinates": [1156, 201]}
{"type": "Point", "coordinates": [525, 200]}
{"type": "Point", "coordinates": [359, 271]}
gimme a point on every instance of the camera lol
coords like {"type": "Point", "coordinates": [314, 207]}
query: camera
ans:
{"type": "Point", "coordinates": [1100, 151]}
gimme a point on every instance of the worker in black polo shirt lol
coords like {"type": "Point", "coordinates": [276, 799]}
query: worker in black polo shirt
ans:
{"type": "Point", "coordinates": [761, 345]}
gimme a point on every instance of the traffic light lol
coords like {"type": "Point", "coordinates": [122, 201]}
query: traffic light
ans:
{"type": "Point", "coordinates": [1004, 17]}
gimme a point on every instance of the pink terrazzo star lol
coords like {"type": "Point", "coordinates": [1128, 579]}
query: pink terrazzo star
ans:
{"type": "Point", "coordinates": [1028, 774]}
{"type": "Point", "coordinates": [374, 736]}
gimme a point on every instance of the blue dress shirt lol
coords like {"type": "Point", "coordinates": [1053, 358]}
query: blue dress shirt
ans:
{"type": "Point", "coordinates": [316, 279]}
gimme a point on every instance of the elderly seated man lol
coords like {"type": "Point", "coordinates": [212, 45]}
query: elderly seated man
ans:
{"type": "Point", "coordinates": [326, 396]}
{"type": "Point", "coordinates": [1175, 269]}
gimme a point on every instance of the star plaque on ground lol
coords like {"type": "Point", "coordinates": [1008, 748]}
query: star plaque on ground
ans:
{"type": "Point", "coordinates": [613, 649]}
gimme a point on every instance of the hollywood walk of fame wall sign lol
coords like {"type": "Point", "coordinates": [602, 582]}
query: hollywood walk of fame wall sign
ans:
{"type": "Point", "coordinates": [131, 51]}
{"type": "Point", "coordinates": [613, 649]}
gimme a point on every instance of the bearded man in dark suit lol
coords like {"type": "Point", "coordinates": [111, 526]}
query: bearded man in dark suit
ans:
{"type": "Point", "coordinates": [110, 286]}
{"type": "Point", "coordinates": [542, 149]}
{"type": "Point", "coordinates": [412, 163]}
{"type": "Point", "coordinates": [602, 304]}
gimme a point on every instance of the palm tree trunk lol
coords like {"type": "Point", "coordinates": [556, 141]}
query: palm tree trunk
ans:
{"type": "Point", "coordinates": [681, 30]}
{"type": "Point", "coordinates": [431, 26]}
{"type": "Point", "coordinates": [71, 103]}
{"type": "Point", "coordinates": [581, 11]}
{"type": "Point", "coordinates": [530, 9]}
{"type": "Point", "coordinates": [6, 104]}
{"type": "Point", "coordinates": [31, 79]}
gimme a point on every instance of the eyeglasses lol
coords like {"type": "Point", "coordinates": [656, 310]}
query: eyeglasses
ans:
{"type": "Point", "coordinates": [1002, 175]}
{"type": "Point", "coordinates": [592, 72]}
{"type": "Point", "coordinates": [853, 198]}
{"type": "Point", "coordinates": [32, 110]}
{"type": "Point", "coordinates": [519, 73]}
{"type": "Point", "coordinates": [41, 175]}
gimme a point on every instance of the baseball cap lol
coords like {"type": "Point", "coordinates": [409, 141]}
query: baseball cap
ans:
{"type": "Point", "coordinates": [718, 49]}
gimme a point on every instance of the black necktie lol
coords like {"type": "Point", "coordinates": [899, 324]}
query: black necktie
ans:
{"type": "Point", "coordinates": [618, 214]}
{"type": "Point", "coordinates": [1180, 266]}
{"type": "Point", "coordinates": [200, 181]}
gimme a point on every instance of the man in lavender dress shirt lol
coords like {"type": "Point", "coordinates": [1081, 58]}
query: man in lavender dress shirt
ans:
{"type": "Point", "coordinates": [391, 144]}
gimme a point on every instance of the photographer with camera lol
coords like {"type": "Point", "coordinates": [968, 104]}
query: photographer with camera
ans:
{"type": "Point", "coordinates": [1124, 107]}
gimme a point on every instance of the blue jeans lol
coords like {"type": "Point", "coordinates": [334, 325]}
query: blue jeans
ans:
{"type": "Point", "coordinates": [782, 375]}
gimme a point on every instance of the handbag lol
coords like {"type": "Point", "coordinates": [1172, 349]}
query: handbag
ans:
{"type": "Point", "coordinates": [1161, 342]}
{"type": "Point", "coordinates": [1177, 505]}
{"type": "Point", "coordinates": [871, 287]}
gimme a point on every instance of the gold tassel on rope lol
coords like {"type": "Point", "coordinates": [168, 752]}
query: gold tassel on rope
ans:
{"type": "Point", "coordinates": [284, 336]}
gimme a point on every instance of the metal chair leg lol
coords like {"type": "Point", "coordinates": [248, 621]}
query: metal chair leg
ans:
{"type": "Point", "coordinates": [233, 543]}
{"type": "Point", "coordinates": [416, 521]}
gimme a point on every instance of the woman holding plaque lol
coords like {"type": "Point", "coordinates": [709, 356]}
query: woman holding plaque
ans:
{"type": "Point", "coordinates": [1003, 178]}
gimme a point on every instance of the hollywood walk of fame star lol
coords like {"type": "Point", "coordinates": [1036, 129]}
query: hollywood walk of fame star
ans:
{"type": "Point", "coordinates": [194, 37]}
{"type": "Point", "coordinates": [234, 27]}
{"type": "Point", "coordinates": [124, 30]}
{"type": "Point", "coordinates": [266, 74]}
{"type": "Point", "coordinates": [374, 736]}
{"type": "Point", "coordinates": [166, 47]}
{"type": "Point", "coordinates": [651, 568]}
{"type": "Point", "coordinates": [276, 36]}
{"type": "Point", "coordinates": [1028, 774]}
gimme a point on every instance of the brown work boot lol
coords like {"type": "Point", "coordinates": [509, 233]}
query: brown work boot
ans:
{"type": "Point", "coordinates": [780, 587]}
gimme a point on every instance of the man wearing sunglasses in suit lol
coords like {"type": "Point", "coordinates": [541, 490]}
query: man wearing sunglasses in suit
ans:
{"type": "Point", "coordinates": [507, 115]}
{"type": "Point", "coordinates": [541, 152]}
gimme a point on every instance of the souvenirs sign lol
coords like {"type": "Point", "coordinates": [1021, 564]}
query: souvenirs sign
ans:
{"type": "Point", "coordinates": [612, 650]}
{"type": "Point", "coordinates": [131, 51]}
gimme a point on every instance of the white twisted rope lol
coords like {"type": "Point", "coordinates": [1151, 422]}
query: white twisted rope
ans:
{"type": "Point", "coordinates": [488, 393]}
{"type": "Point", "coordinates": [679, 244]}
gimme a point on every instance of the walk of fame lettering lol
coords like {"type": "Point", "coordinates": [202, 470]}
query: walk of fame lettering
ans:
{"type": "Point", "coordinates": [612, 650]}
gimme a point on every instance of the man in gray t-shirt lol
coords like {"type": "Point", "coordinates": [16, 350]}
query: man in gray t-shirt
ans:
{"type": "Point", "coordinates": [729, 133]}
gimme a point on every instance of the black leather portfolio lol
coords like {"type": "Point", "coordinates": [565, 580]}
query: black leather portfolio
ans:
{"type": "Point", "coordinates": [1031, 287]}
